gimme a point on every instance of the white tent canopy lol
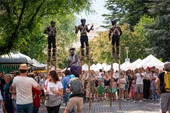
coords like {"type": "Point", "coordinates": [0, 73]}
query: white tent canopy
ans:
{"type": "Point", "coordinates": [85, 67]}
{"type": "Point", "coordinates": [37, 64]}
{"type": "Point", "coordinates": [136, 64]}
{"type": "Point", "coordinates": [150, 61]}
{"type": "Point", "coordinates": [125, 66]}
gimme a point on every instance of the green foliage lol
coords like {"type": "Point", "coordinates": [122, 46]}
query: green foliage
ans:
{"type": "Point", "coordinates": [127, 11]}
{"type": "Point", "coordinates": [158, 33]}
{"type": "Point", "coordinates": [37, 45]}
{"type": "Point", "coordinates": [18, 19]}
{"type": "Point", "coordinates": [159, 37]}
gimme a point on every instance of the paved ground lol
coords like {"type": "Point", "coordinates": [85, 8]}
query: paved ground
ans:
{"type": "Point", "coordinates": [127, 107]}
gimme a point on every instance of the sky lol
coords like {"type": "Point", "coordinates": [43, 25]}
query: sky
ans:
{"type": "Point", "coordinates": [96, 17]}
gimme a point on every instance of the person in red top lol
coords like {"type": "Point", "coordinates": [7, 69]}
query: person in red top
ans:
{"type": "Point", "coordinates": [36, 96]}
{"type": "Point", "coordinates": [36, 99]}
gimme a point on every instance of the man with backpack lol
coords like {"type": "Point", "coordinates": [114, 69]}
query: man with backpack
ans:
{"type": "Point", "coordinates": [76, 97]}
{"type": "Point", "coordinates": [164, 80]}
{"type": "Point", "coordinates": [116, 32]}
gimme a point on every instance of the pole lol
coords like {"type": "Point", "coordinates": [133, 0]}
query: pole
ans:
{"type": "Point", "coordinates": [55, 62]}
{"type": "Point", "coordinates": [120, 105]}
{"type": "Point", "coordinates": [88, 58]}
{"type": "Point", "coordinates": [81, 64]}
{"type": "Point", "coordinates": [111, 74]}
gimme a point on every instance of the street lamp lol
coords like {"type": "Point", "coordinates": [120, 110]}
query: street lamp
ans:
{"type": "Point", "coordinates": [127, 48]}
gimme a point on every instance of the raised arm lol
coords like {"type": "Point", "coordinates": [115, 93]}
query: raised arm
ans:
{"type": "Point", "coordinates": [76, 29]}
{"type": "Point", "coordinates": [46, 30]}
{"type": "Point", "coordinates": [120, 31]}
{"type": "Point", "coordinates": [88, 30]}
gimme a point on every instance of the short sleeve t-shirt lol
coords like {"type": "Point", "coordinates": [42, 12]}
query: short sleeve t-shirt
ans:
{"type": "Point", "coordinates": [53, 86]}
{"type": "Point", "coordinates": [24, 89]}
{"type": "Point", "coordinates": [139, 79]}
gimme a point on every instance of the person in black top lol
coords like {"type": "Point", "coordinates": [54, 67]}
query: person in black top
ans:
{"type": "Point", "coordinates": [116, 32]}
{"type": "Point", "coordinates": [107, 86]}
{"type": "Point", "coordinates": [165, 92]}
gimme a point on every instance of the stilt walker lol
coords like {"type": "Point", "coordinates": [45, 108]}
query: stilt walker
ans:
{"type": "Point", "coordinates": [115, 32]}
{"type": "Point", "coordinates": [83, 28]}
{"type": "Point", "coordinates": [51, 31]}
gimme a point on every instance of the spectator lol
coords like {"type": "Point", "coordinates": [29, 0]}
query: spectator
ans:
{"type": "Point", "coordinates": [23, 85]}
{"type": "Point", "coordinates": [2, 83]}
{"type": "Point", "coordinates": [164, 88]}
{"type": "Point", "coordinates": [139, 85]}
{"type": "Point", "coordinates": [114, 87]}
{"type": "Point", "coordinates": [54, 90]}
{"type": "Point", "coordinates": [100, 91]}
{"type": "Point", "coordinates": [107, 86]}
{"type": "Point", "coordinates": [122, 85]}
{"type": "Point", "coordinates": [65, 82]}
{"type": "Point", "coordinates": [7, 95]}
{"type": "Point", "coordinates": [76, 97]}
{"type": "Point", "coordinates": [36, 96]}
{"type": "Point", "coordinates": [153, 77]}
{"type": "Point", "coordinates": [2, 108]}
{"type": "Point", "coordinates": [146, 84]}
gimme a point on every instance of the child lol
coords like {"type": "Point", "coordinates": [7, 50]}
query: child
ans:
{"type": "Point", "coordinates": [114, 87]}
{"type": "Point", "coordinates": [87, 92]}
{"type": "Point", "coordinates": [132, 91]}
{"type": "Point", "coordinates": [100, 91]}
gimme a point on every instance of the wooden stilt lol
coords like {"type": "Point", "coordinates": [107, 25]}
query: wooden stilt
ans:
{"type": "Point", "coordinates": [111, 83]}
{"type": "Point", "coordinates": [88, 59]}
{"type": "Point", "coordinates": [55, 62]}
{"type": "Point", "coordinates": [81, 64]}
{"type": "Point", "coordinates": [47, 67]}
{"type": "Point", "coordinates": [120, 105]}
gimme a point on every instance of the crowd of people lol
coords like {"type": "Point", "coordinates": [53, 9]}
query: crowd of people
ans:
{"type": "Point", "coordinates": [25, 92]}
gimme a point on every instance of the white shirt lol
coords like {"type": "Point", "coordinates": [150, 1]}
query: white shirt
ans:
{"type": "Point", "coordinates": [139, 80]}
{"type": "Point", "coordinates": [24, 89]}
{"type": "Point", "coordinates": [53, 86]}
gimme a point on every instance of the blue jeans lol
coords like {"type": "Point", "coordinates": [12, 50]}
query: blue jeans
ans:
{"type": "Point", "coordinates": [35, 109]}
{"type": "Point", "coordinates": [66, 95]}
{"type": "Point", "coordinates": [154, 95]}
{"type": "Point", "coordinates": [26, 108]}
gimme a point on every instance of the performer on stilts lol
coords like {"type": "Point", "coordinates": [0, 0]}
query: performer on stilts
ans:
{"type": "Point", "coordinates": [116, 32]}
{"type": "Point", "coordinates": [83, 28]}
{"type": "Point", "coordinates": [73, 63]}
{"type": "Point", "coordinates": [51, 31]}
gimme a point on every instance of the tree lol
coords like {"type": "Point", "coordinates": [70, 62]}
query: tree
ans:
{"type": "Point", "coordinates": [127, 11]}
{"type": "Point", "coordinates": [158, 33]}
{"type": "Point", "coordinates": [20, 17]}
